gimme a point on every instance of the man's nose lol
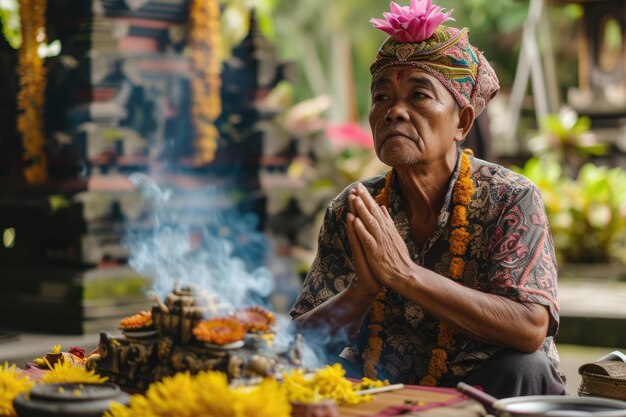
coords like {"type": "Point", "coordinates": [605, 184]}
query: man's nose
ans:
{"type": "Point", "coordinates": [397, 112]}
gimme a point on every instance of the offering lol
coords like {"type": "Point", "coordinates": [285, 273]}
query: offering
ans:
{"type": "Point", "coordinates": [138, 325]}
{"type": "Point", "coordinates": [192, 331]}
{"type": "Point", "coordinates": [221, 332]}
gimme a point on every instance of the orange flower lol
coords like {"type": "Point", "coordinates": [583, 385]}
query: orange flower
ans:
{"type": "Point", "coordinates": [255, 319]}
{"type": "Point", "coordinates": [437, 365]}
{"type": "Point", "coordinates": [429, 381]}
{"type": "Point", "coordinates": [459, 217]}
{"type": "Point", "coordinates": [30, 98]}
{"type": "Point", "coordinates": [459, 238]}
{"type": "Point", "coordinates": [137, 321]}
{"type": "Point", "coordinates": [457, 268]}
{"type": "Point", "coordinates": [446, 335]}
{"type": "Point", "coordinates": [462, 194]}
{"type": "Point", "coordinates": [219, 331]}
{"type": "Point", "coordinates": [205, 59]}
{"type": "Point", "coordinates": [371, 354]}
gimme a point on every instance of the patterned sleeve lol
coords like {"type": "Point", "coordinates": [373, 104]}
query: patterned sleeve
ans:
{"type": "Point", "coordinates": [522, 264]}
{"type": "Point", "coordinates": [331, 270]}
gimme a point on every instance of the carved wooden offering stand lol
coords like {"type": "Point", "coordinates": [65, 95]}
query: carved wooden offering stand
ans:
{"type": "Point", "coordinates": [168, 345]}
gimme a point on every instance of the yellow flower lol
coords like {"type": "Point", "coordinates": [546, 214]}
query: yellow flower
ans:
{"type": "Point", "coordinates": [205, 394]}
{"type": "Point", "coordinates": [67, 372]}
{"type": "Point", "coordinates": [298, 389]}
{"type": "Point", "coordinates": [268, 399]}
{"type": "Point", "coordinates": [12, 384]}
{"type": "Point", "coordinates": [218, 399]}
{"type": "Point", "coordinates": [56, 349]}
{"type": "Point", "coordinates": [367, 383]}
{"type": "Point", "coordinates": [328, 382]}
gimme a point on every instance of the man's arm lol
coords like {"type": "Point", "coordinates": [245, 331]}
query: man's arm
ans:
{"type": "Point", "coordinates": [338, 319]}
{"type": "Point", "coordinates": [489, 318]}
{"type": "Point", "coordinates": [341, 316]}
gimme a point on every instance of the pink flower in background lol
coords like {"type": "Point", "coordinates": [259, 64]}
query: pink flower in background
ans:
{"type": "Point", "coordinates": [348, 134]}
{"type": "Point", "coordinates": [413, 23]}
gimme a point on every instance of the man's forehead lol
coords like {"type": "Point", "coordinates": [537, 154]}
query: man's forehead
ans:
{"type": "Point", "coordinates": [407, 73]}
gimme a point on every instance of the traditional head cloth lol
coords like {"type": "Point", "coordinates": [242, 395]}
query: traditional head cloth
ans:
{"type": "Point", "coordinates": [418, 39]}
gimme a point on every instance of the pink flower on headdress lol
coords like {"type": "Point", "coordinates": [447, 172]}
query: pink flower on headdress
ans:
{"type": "Point", "coordinates": [413, 23]}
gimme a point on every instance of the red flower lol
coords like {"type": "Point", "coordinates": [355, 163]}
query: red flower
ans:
{"type": "Point", "coordinates": [76, 351]}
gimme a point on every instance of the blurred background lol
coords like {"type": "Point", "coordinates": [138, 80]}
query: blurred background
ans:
{"type": "Point", "coordinates": [148, 141]}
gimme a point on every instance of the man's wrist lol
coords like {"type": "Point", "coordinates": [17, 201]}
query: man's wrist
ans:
{"type": "Point", "coordinates": [362, 292]}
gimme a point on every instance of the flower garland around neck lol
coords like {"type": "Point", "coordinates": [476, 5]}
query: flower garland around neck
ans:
{"type": "Point", "coordinates": [459, 240]}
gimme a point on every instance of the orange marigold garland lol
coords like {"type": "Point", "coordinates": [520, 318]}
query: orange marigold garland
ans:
{"type": "Point", "coordinates": [374, 348]}
{"type": "Point", "coordinates": [30, 98]}
{"type": "Point", "coordinates": [219, 331]}
{"type": "Point", "coordinates": [459, 241]}
{"type": "Point", "coordinates": [205, 41]}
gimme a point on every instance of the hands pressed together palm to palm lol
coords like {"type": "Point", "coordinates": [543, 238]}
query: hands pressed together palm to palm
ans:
{"type": "Point", "coordinates": [380, 254]}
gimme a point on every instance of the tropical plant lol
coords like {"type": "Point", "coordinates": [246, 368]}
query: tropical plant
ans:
{"type": "Point", "coordinates": [567, 139]}
{"type": "Point", "coordinates": [587, 214]}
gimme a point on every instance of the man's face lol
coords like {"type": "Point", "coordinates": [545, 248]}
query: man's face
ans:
{"type": "Point", "coordinates": [414, 118]}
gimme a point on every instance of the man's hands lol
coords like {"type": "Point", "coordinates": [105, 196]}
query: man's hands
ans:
{"type": "Point", "coordinates": [382, 259]}
{"type": "Point", "coordinates": [381, 256]}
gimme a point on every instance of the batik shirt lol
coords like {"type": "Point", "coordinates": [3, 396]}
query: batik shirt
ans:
{"type": "Point", "coordinates": [510, 254]}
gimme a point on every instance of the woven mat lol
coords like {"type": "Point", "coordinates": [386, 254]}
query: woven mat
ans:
{"type": "Point", "coordinates": [416, 401]}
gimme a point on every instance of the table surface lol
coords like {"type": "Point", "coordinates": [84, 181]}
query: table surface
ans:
{"type": "Point", "coordinates": [410, 401]}
{"type": "Point", "coordinates": [415, 400]}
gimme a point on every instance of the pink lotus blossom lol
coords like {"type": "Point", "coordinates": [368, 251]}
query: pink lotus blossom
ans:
{"type": "Point", "coordinates": [413, 23]}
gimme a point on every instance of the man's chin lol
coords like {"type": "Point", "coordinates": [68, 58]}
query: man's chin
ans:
{"type": "Point", "coordinates": [397, 159]}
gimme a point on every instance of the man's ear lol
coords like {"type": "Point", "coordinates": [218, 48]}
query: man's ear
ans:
{"type": "Point", "coordinates": [466, 120]}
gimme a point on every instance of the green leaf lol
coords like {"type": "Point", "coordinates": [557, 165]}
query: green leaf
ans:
{"type": "Point", "coordinates": [322, 184]}
{"type": "Point", "coordinates": [10, 20]}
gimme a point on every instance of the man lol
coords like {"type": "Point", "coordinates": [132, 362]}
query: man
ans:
{"type": "Point", "coordinates": [442, 270]}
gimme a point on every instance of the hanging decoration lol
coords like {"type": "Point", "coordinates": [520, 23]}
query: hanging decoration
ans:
{"type": "Point", "coordinates": [31, 96]}
{"type": "Point", "coordinates": [204, 40]}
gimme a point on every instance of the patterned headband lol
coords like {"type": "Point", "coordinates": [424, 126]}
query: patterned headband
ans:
{"type": "Point", "coordinates": [418, 39]}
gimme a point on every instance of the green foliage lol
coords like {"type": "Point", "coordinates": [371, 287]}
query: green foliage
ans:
{"type": "Point", "coordinates": [235, 19]}
{"type": "Point", "coordinates": [587, 214]}
{"type": "Point", "coordinates": [131, 286]}
{"type": "Point", "coordinates": [309, 32]}
{"type": "Point", "coordinates": [10, 19]}
{"type": "Point", "coordinates": [566, 138]}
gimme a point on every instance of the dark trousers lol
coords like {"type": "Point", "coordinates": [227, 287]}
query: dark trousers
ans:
{"type": "Point", "coordinates": [509, 373]}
